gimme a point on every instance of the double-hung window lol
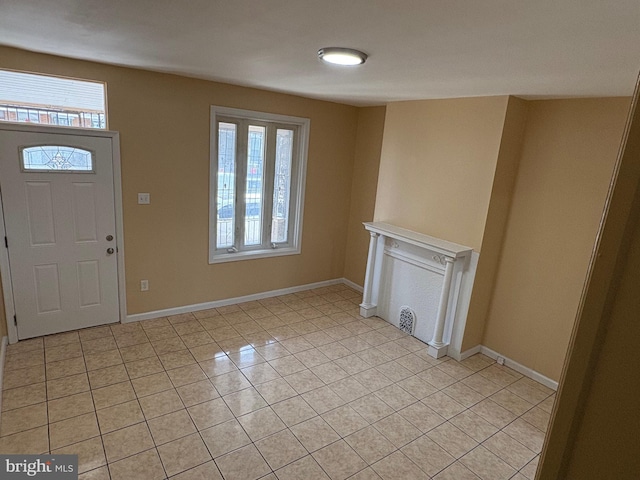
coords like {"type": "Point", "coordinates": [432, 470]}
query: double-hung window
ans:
{"type": "Point", "coordinates": [257, 176]}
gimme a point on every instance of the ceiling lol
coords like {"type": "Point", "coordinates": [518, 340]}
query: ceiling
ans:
{"type": "Point", "coordinates": [417, 49]}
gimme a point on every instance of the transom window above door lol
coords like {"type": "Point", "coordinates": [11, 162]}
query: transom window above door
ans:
{"type": "Point", "coordinates": [49, 100]}
{"type": "Point", "coordinates": [258, 165]}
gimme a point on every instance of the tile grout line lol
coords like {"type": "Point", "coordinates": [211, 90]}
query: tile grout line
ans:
{"type": "Point", "coordinates": [353, 334]}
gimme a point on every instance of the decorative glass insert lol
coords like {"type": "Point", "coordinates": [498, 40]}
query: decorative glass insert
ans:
{"type": "Point", "coordinates": [253, 193]}
{"type": "Point", "coordinates": [282, 185]}
{"type": "Point", "coordinates": [56, 158]}
{"type": "Point", "coordinates": [226, 185]}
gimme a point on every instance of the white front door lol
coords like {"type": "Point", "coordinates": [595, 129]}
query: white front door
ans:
{"type": "Point", "coordinates": [58, 199]}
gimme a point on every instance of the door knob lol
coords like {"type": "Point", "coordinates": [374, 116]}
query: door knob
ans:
{"type": "Point", "coordinates": [109, 238]}
{"type": "Point", "coordinates": [110, 251]}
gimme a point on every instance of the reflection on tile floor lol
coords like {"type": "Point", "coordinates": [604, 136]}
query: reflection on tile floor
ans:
{"type": "Point", "coordinates": [294, 387]}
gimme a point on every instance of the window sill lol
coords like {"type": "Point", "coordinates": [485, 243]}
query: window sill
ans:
{"type": "Point", "coordinates": [252, 254]}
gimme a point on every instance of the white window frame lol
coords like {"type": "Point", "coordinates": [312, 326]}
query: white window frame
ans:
{"type": "Point", "coordinates": [300, 150]}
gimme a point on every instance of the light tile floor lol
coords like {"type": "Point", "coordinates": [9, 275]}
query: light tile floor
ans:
{"type": "Point", "coordinates": [295, 387]}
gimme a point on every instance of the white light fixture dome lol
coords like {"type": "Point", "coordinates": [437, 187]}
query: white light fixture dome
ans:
{"type": "Point", "coordinates": [342, 56]}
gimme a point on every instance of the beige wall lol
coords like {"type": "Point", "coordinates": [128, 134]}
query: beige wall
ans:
{"type": "Point", "coordinates": [495, 225]}
{"type": "Point", "coordinates": [512, 179]}
{"type": "Point", "coordinates": [437, 166]}
{"type": "Point", "coordinates": [448, 169]}
{"type": "Point", "coordinates": [363, 190]}
{"type": "Point", "coordinates": [163, 121]}
{"type": "Point", "coordinates": [569, 150]}
{"type": "Point", "coordinates": [596, 418]}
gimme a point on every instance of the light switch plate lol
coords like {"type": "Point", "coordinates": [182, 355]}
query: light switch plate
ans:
{"type": "Point", "coordinates": [144, 199]}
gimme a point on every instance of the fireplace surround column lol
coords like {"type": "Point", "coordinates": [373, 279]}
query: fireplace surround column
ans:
{"type": "Point", "coordinates": [369, 304]}
{"type": "Point", "coordinates": [437, 348]}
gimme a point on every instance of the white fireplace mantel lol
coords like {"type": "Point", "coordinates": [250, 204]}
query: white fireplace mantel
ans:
{"type": "Point", "coordinates": [439, 257]}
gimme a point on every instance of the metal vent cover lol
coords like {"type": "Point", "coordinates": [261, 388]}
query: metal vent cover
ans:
{"type": "Point", "coordinates": [407, 320]}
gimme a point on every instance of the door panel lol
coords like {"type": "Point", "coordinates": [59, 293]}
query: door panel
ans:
{"type": "Point", "coordinates": [89, 283]}
{"type": "Point", "coordinates": [84, 212]}
{"type": "Point", "coordinates": [57, 225]}
{"type": "Point", "coordinates": [40, 213]}
{"type": "Point", "coordinates": [47, 288]}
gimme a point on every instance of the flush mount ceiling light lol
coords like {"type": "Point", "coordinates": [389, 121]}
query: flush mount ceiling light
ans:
{"type": "Point", "coordinates": [342, 56]}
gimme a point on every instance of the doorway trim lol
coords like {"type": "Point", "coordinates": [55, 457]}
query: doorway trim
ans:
{"type": "Point", "coordinates": [5, 270]}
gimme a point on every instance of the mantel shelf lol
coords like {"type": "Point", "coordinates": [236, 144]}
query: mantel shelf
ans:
{"type": "Point", "coordinates": [437, 245]}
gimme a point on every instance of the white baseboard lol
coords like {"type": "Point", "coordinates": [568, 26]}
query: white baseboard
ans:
{"type": "Point", "coordinates": [136, 317]}
{"type": "Point", "coordinates": [353, 285]}
{"type": "Point", "coordinates": [469, 353]}
{"type": "Point", "coordinates": [518, 367]}
{"type": "Point", "coordinates": [3, 353]}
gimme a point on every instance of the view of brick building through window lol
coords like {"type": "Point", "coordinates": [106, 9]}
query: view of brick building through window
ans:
{"type": "Point", "coordinates": [26, 114]}
{"type": "Point", "coordinates": [45, 100]}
